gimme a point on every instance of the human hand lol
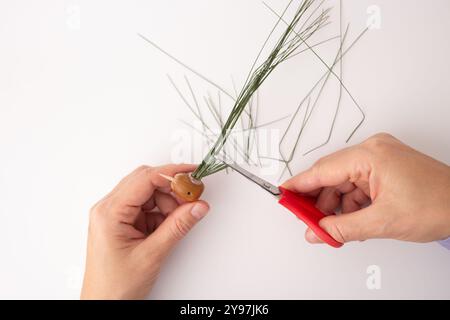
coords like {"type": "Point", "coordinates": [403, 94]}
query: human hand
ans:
{"type": "Point", "coordinates": [131, 232]}
{"type": "Point", "coordinates": [384, 189]}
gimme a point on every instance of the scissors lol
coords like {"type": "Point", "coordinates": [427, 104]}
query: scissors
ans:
{"type": "Point", "coordinates": [301, 206]}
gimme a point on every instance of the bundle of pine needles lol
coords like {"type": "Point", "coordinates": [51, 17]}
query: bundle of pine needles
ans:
{"type": "Point", "coordinates": [286, 46]}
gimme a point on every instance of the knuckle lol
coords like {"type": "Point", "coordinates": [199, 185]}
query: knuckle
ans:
{"type": "Point", "coordinates": [96, 210]}
{"type": "Point", "coordinates": [384, 136]}
{"type": "Point", "coordinates": [379, 144]}
{"type": "Point", "coordinates": [380, 139]}
{"type": "Point", "coordinates": [103, 208]}
{"type": "Point", "coordinates": [319, 163]}
{"type": "Point", "coordinates": [142, 168]}
{"type": "Point", "coordinates": [96, 215]}
{"type": "Point", "coordinates": [339, 233]}
{"type": "Point", "coordinates": [180, 228]}
{"type": "Point", "coordinates": [317, 167]}
{"type": "Point", "coordinates": [116, 208]}
{"type": "Point", "coordinates": [338, 229]}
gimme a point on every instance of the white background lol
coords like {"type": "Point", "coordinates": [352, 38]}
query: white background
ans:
{"type": "Point", "coordinates": [84, 100]}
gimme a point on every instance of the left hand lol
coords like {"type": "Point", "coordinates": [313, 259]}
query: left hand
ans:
{"type": "Point", "coordinates": [131, 232]}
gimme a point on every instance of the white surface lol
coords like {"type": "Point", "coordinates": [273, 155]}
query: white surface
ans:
{"type": "Point", "coordinates": [82, 104]}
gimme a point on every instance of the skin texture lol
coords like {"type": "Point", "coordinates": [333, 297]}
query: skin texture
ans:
{"type": "Point", "coordinates": [383, 188]}
{"type": "Point", "coordinates": [131, 232]}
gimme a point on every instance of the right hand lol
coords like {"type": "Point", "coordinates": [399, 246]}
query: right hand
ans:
{"type": "Point", "coordinates": [384, 188]}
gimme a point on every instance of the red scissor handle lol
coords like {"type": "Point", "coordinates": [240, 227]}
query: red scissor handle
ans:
{"type": "Point", "coordinates": [306, 211]}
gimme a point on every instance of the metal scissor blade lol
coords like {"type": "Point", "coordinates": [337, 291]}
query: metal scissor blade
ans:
{"type": "Point", "coordinates": [250, 176]}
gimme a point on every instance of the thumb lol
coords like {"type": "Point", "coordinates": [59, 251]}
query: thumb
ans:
{"type": "Point", "coordinates": [357, 226]}
{"type": "Point", "coordinates": [176, 226]}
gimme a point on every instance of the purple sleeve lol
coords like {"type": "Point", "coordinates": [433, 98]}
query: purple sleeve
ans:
{"type": "Point", "coordinates": [445, 243]}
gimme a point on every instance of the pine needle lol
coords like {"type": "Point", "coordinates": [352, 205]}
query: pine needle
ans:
{"type": "Point", "coordinates": [285, 47]}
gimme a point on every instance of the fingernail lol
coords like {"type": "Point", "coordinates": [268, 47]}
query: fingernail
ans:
{"type": "Point", "coordinates": [199, 210]}
{"type": "Point", "coordinates": [312, 238]}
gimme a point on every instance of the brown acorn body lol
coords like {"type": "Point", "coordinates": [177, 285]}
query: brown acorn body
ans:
{"type": "Point", "coordinates": [186, 187]}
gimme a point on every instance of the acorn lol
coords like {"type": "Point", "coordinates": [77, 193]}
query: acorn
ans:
{"type": "Point", "coordinates": [185, 186]}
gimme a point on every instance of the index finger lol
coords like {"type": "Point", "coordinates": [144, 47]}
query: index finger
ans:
{"type": "Point", "coordinates": [137, 188]}
{"type": "Point", "coordinates": [349, 164]}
